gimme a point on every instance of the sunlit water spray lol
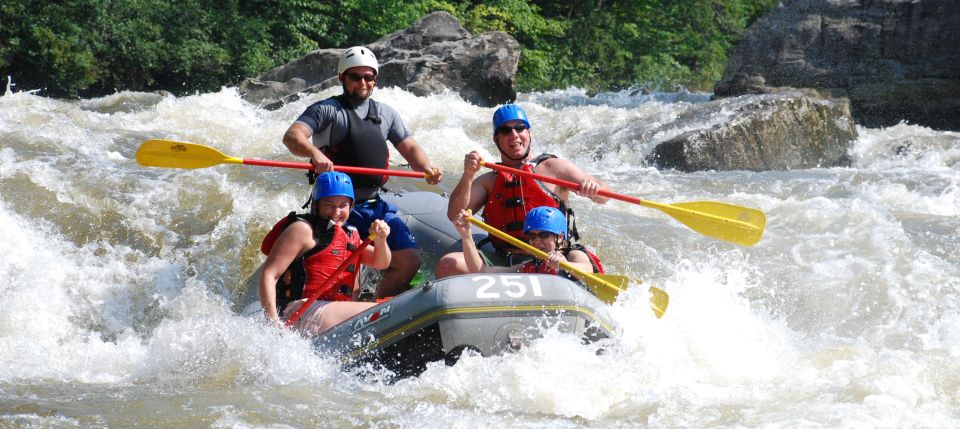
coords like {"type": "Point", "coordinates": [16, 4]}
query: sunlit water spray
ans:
{"type": "Point", "coordinates": [119, 281]}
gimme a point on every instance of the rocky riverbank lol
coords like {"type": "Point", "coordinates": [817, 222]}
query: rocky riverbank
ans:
{"type": "Point", "coordinates": [797, 84]}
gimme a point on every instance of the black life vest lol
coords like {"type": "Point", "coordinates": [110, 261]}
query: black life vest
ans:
{"type": "Point", "coordinates": [364, 146]}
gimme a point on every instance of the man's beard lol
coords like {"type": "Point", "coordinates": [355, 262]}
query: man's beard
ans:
{"type": "Point", "coordinates": [353, 97]}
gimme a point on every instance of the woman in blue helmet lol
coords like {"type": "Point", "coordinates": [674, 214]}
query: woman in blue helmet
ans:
{"type": "Point", "coordinates": [304, 250]}
{"type": "Point", "coordinates": [545, 228]}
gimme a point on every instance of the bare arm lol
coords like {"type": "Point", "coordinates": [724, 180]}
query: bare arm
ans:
{"type": "Point", "coordinates": [470, 253]}
{"type": "Point", "coordinates": [378, 256]}
{"type": "Point", "coordinates": [297, 139]}
{"type": "Point", "coordinates": [470, 193]}
{"type": "Point", "coordinates": [291, 243]}
{"type": "Point", "coordinates": [578, 259]}
{"type": "Point", "coordinates": [418, 159]}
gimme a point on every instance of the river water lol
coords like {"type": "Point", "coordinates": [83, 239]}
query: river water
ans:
{"type": "Point", "coordinates": [119, 282]}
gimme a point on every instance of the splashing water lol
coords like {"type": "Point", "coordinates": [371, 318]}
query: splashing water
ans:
{"type": "Point", "coordinates": [119, 281]}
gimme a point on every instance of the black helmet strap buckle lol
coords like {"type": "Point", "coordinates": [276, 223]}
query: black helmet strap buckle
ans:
{"type": "Point", "coordinates": [311, 179]}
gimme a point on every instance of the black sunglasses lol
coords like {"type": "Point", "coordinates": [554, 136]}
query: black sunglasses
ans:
{"type": "Point", "coordinates": [543, 235]}
{"type": "Point", "coordinates": [357, 77]}
{"type": "Point", "coordinates": [506, 129]}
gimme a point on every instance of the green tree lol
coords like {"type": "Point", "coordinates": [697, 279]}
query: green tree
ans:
{"type": "Point", "coordinates": [95, 47]}
{"type": "Point", "coordinates": [46, 45]}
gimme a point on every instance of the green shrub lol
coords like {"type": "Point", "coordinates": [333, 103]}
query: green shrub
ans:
{"type": "Point", "coordinates": [95, 47]}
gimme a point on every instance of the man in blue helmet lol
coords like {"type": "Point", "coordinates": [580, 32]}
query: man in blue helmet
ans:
{"type": "Point", "coordinates": [353, 130]}
{"type": "Point", "coordinates": [506, 198]}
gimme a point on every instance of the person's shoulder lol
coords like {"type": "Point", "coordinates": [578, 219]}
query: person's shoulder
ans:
{"type": "Point", "coordinates": [298, 231]}
{"type": "Point", "coordinates": [577, 252]}
{"type": "Point", "coordinates": [547, 159]}
{"type": "Point", "coordinates": [488, 177]}
{"type": "Point", "coordinates": [326, 103]}
{"type": "Point", "coordinates": [383, 107]}
{"type": "Point", "coordinates": [386, 111]}
{"type": "Point", "coordinates": [575, 255]}
{"type": "Point", "coordinates": [556, 165]}
{"type": "Point", "coordinates": [300, 225]}
{"type": "Point", "coordinates": [543, 157]}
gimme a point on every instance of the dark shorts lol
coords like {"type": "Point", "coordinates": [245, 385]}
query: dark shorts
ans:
{"type": "Point", "coordinates": [365, 212]}
{"type": "Point", "coordinates": [504, 256]}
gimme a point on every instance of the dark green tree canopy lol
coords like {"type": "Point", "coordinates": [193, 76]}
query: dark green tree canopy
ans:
{"type": "Point", "coordinates": [86, 48]}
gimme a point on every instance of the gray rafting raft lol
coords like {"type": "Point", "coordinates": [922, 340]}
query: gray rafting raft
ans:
{"type": "Point", "coordinates": [488, 314]}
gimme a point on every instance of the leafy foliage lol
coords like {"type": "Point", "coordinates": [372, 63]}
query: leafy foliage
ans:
{"type": "Point", "coordinates": [95, 47]}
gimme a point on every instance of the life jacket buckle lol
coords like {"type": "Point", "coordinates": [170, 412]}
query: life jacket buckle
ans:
{"type": "Point", "coordinates": [514, 226]}
{"type": "Point", "coordinates": [513, 202]}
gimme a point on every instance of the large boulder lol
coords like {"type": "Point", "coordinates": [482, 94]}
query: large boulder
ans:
{"type": "Point", "coordinates": [435, 54]}
{"type": "Point", "coordinates": [894, 59]}
{"type": "Point", "coordinates": [761, 132]}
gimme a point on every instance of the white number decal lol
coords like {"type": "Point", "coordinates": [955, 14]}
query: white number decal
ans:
{"type": "Point", "coordinates": [514, 282]}
{"type": "Point", "coordinates": [515, 286]}
{"type": "Point", "coordinates": [535, 286]}
{"type": "Point", "coordinates": [482, 290]}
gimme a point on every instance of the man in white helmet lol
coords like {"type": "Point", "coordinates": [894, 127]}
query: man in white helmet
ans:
{"type": "Point", "coordinates": [353, 130]}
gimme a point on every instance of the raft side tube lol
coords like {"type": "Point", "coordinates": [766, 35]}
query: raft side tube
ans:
{"type": "Point", "coordinates": [487, 313]}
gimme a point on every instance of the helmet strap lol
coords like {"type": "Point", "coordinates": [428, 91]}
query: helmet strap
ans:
{"type": "Point", "coordinates": [521, 158]}
{"type": "Point", "coordinates": [311, 178]}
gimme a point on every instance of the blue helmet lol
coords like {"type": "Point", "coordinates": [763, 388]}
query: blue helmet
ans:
{"type": "Point", "coordinates": [507, 113]}
{"type": "Point", "coordinates": [332, 183]}
{"type": "Point", "coordinates": [546, 218]}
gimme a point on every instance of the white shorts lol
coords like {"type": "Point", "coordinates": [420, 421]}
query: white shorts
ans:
{"type": "Point", "coordinates": [309, 321]}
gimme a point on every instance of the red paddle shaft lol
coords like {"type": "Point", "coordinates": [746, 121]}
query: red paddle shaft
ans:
{"type": "Point", "coordinates": [564, 183]}
{"type": "Point", "coordinates": [340, 168]}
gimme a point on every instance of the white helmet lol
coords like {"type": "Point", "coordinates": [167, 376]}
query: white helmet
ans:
{"type": "Point", "coordinates": [357, 56]}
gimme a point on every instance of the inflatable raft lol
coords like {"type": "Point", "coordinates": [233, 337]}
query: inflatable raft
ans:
{"type": "Point", "coordinates": [484, 313]}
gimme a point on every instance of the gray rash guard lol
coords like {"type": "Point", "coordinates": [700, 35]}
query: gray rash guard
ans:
{"type": "Point", "coordinates": [328, 122]}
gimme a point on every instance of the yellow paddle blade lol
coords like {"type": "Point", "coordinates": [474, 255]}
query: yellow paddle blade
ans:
{"type": "Point", "coordinates": [609, 286]}
{"type": "Point", "coordinates": [658, 301]}
{"type": "Point", "coordinates": [730, 222]}
{"type": "Point", "coordinates": [605, 286]}
{"type": "Point", "coordinates": [174, 154]}
{"type": "Point", "coordinates": [658, 298]}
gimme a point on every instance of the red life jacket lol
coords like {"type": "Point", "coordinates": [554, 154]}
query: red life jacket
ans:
{"type": "Point", "coordinates": [307, 272]}
{"type": "Point", "coordinates": [537, 266]}
{"type": "Point", "coordinates": [512, 197]}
